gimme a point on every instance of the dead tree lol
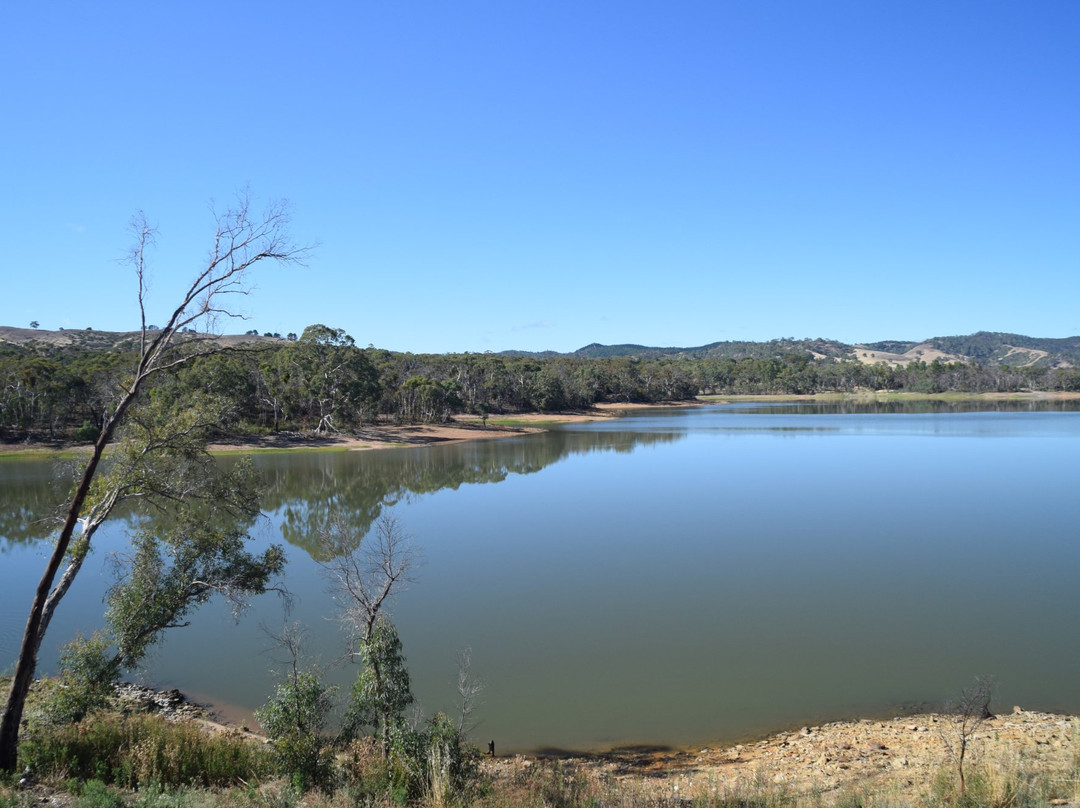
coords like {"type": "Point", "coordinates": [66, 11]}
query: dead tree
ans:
{"type": "Point", "coordinates": [364, 572]}
{"type": "Point", "coordinates": [963, 717]}
{"type": "Point", "coordinates": [469, 689]}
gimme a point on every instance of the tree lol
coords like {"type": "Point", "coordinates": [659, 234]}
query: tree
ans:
{"type": "Point", "coordinates": [363, 574]}
{"type": "Point", "coordinates": [295, 716]}
{"type": "Point", "coordinates": [241, 242]}
{"type": "Point", "coordinates": [173, 572]}
{"type": "Point", "coordinates": [336, 384]}
{"type": "Point", "coordinates": [469, 689]}
{"type": "Point", "coordinates": [964, 716]}
{"type": "Point", "coordinates": [34, 323]}
{"type": "Point", "coordinates": [383, 691]}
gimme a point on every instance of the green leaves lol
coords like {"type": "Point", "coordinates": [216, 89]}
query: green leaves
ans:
{"type": "Point", "coordinates": [176, 569]}
{"type": "Point", "coordinates": [294, 718]}
{"type": "Point", "coordinates": [383, 691]}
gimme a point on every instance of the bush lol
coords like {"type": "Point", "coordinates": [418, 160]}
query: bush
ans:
{"type": "Point", "coordinates": [87, 433]}
{"type": "Point", "coordinates": [95, 794]}
{"type": "Point", "coordinates": [434, 765]}
{"type": "Point", "coordinates": [294, 718]}
{"type": "Point", "coordinates": [85, 683]}
{"type": "Point", "coordinates": [451, 765]}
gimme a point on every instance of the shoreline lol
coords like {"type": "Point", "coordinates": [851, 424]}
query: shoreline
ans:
{"type": "Point", "coordinates": [901, 756]}
{"type": "Point", "coordinates": [460, 429]}
{"type": "Point", "coordinates": [463, 428]}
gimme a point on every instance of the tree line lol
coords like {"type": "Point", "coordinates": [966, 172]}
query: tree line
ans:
{"type": "Point", "coordinates": [324, 382]}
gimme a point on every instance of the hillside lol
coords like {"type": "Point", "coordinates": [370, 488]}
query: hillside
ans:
{"type": "Point", "coordinates": [91, 340]}
{"type": "Point", "coordinates": [988, 348]}
{"type": "Point", "coordinates": [983, 348]}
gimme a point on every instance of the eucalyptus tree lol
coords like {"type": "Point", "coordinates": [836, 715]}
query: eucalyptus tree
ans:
{"type": "Point", "coordinates": [158, 468]}
{"type": "Point", "coordinates": [364, 572]}
{"type": "Point", "coordinates": [335, 385]}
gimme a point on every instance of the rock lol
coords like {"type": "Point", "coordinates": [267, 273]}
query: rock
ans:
{"type": "Point", "coordinates": [1017, 710]}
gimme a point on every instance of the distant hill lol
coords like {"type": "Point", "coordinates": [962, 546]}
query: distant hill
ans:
{"type": "Point", "coordinates": [985, 347]}
{"type": "Point", "coordinates": [91, 340]}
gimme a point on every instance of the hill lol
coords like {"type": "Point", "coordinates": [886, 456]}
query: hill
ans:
{"type": "Point", "coordinates": [90, 340]}
{"type": "Point", "coordinates": [982, 348]}
{"type": "Point", "coordinates": [990, 348]}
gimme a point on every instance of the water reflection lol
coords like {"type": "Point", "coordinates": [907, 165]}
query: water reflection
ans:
{"type": "Point", "coordinates": [307, 490]}
{"type": "Point", "coordinates": [31, 493]}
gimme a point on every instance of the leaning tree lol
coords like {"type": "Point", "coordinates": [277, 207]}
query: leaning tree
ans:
{"type": "Point", "coordinates": [242, 241]}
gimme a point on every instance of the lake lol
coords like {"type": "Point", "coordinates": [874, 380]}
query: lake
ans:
{"type": "Point", "coordinates": [677, 576]}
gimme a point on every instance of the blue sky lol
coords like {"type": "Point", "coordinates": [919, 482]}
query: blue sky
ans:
{"type": "Point", "coordinates": [542, 175]}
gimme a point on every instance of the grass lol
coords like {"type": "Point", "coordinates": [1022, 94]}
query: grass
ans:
{"type": "Point", "coordinates": [38, 452]}
{"type": "Point", "coordinates": [134, 751]}
{"type": "Point", "coordinates": [555, 784]}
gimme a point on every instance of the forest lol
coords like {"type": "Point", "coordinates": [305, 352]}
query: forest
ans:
{"type": "Point", "coordinates": [323, 382]}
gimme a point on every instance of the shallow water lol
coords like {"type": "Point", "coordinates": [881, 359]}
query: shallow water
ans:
{"type": "Point", "coordinates": [676, 576]}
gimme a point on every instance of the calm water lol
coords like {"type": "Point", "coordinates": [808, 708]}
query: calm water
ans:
{"type": "Point", "coordinates": [679, 576]}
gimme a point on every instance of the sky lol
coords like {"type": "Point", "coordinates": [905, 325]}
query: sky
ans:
{"type": "Point", "coordinates": [485, 175]}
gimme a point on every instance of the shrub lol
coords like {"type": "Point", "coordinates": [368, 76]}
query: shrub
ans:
{"type": "Point", "coordinates": [85, 683]}
{"type": "Point", "coordinates": [451, 765]}
{"type": "Point", "coordinates": [95, 794]}
{"type": "Point", "coordinates": [87, 433]}
{"type": "Point", "coordinates": [294, 718]}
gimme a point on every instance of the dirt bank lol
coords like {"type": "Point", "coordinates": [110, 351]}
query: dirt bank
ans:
{"type": "Point", "coordinates": [900, 757]}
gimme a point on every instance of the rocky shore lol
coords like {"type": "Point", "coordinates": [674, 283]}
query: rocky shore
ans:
{"type": "Point", "coordinates": [899, 757]}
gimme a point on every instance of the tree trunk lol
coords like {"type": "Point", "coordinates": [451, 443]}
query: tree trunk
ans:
{"type": "Point", "coordinates": [26, 664]}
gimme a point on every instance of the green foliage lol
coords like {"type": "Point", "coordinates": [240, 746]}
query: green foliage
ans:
{"type": "Point", "coordinates": [176, 569]}
{"type": "Point", "coordinates": [87, 433]}
{"type": "Point", "coordinates": [294, 718]}
{"type": "Point", "coordinates": [383, 691]}
{"type": "Point", "coordinates": [85, 682]}
{"type": "Point", "coordinates": [324, 382]}
{"type": "Point", "coordinates": [95, 794]}
{"type": "Point", "coordinates": [157, 797]}
{"type": "Point", "coordinates": [434, 765]}
{"type": "Point", "coordinates": [451, 766]}
{"type": "Point", "coordinates": [139, 750]}
{"type": "Point", "coordinates": [15, 799]}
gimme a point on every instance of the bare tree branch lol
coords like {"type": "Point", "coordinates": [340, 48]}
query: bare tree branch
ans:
{"type": "Point", "coordinates": [365, 573]}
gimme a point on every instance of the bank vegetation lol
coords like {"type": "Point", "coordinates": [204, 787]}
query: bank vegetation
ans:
{"type": "Point", "coordinates": [321, 382]}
